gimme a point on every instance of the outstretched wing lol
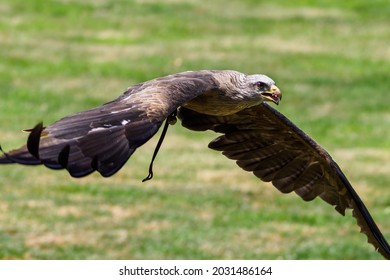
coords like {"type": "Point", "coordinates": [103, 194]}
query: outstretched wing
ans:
{"type": "Point", "coordinates": [105, 137]}
{"type": "Point", "coordinates": [265, 142]}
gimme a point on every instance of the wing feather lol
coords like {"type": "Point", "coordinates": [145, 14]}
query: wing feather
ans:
{"type": "Point", "coordinates": [104, 138]}
{"type": "Point", "coordinates": [265, 142]}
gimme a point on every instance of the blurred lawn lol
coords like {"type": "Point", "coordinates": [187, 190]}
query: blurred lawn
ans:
{"type": "Point", "coordinates": [330, 58]}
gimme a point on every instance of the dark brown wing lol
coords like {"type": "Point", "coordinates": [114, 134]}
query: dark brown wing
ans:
{"type": "Point", "coordinates": [104, 138]}
{"type": "Point", "coordinates": [265, 142]}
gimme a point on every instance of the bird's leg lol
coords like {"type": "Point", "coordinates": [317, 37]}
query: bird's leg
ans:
{"type": "Point", "coordinates": [170, 120]}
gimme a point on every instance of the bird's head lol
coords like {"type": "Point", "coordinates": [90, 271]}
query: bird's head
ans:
{"type": "Point", "coordinates": [265, 87]}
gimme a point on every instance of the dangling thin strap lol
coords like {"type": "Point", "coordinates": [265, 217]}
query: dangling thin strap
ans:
{"type": "Point", "coordinates": [170, 120]}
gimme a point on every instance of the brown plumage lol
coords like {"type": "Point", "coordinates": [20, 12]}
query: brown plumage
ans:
{"type": "Point", "coordinates": [256, 136]}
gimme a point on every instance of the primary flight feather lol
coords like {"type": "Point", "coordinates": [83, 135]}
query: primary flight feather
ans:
{"type": "Point", "coordinates": [256, 136]}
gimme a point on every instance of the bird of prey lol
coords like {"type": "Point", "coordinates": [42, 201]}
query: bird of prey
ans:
{"type": "Point", "coordinates": [259, 138]}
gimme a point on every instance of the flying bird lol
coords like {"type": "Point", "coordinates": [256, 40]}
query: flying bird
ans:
{"type": "Point", "coordinates": [254, 134]}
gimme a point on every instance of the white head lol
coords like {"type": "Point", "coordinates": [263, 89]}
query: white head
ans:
{"type": "Point", "coordinates": [263, 86]}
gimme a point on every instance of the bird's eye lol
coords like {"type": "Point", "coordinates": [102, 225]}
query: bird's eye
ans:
{"type": "Point", "coordinates": [261, 85]}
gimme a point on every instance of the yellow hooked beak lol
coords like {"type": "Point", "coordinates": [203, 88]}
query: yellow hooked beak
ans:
{"type": "Point", "coordinates": [273, 94]}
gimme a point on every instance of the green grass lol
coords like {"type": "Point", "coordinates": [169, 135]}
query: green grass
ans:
{"type": "Point", "coordinates": [330, 58]}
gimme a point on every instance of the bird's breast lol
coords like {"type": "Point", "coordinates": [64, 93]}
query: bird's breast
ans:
{"type": "Point", "coordinates": [217, 104]}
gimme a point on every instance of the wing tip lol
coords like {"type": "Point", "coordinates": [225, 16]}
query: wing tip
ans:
{"type": "Point", "coordinates": [4, 158]}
